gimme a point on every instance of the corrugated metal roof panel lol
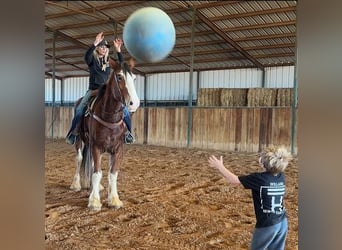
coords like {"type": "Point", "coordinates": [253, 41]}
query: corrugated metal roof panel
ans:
{"type": "Point", "coordinates": [263, 29]}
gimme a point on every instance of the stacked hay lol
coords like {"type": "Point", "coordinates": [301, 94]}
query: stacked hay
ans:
{"type": "Point", "coordinates": [233, 97]}
{"type": "Point", "coordinates": [284, 97]}
{"type": "Point", "coordinates": [260, 97]}
{"type": "Point", "coordinates": [253, 97]}
{"type": "Point", "coordinates": [201, 97]}
{"type": "Point", "coordinates": [208, 97]}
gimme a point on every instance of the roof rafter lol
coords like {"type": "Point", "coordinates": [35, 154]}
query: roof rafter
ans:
{"type": "Point", "coordinates": [75, 10]}
{"type": "Point", "coordinates": [69, 38]}
{"type": "Point", "coordinates": [229, 40]}
{"type": "Point", "coordinates": [65, 62]}
{"type": "Point", "coordinates": [227, 34]}
{"type": "Point", "coordinates": [254, 13]}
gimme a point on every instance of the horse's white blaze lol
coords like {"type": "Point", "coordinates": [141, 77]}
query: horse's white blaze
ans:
{"type": "Point", "coordinates": [134, 102]}
{"type": "Point", "coordinates": [94, 198]}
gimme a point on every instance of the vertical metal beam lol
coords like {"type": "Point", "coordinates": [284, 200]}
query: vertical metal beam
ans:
{"type": "Point", "coordinates": [294, 106]}
{"type": "Point", "coordinates": [145, 90]}
{"type": "Point", "coordinates": [263, 78]}
{"type": "Point", "coordinates": [198, 81]}
{"type": "Point", "coordinates": [53, 82]}
{"type": "Point", "coordinates": [115, 26]}
{"type": "Point", "coordinates": [62, 92]}
{"type": "Point", "coordinates": [192, 51]}
{"type": "Point", "coordinates": [145, 113]}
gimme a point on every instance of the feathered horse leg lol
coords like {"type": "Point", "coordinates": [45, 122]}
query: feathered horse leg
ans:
{"type": "Point", "coordinates": [113, 196]}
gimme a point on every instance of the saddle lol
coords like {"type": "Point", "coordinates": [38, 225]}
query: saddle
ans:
{"type": "Point", "coordinates": [89, 111]}
{"type": "Point", "coordinates": [91, 102]}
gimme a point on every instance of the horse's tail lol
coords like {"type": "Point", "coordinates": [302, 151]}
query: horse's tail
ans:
{"type": "Point", "coordinates": [86, 168]}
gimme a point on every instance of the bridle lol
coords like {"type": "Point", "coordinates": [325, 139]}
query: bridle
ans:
{"type": "Point", "coordinates": [121, 99]}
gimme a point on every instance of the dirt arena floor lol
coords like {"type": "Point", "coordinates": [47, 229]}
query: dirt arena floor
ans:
{"type": "Point", "coordinates": [172, 200]}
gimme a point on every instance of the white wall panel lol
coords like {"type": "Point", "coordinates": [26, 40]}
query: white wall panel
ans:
{"type": "Point", "coordinates": [49, 90]}
{"type": "Point", "coordinates": [236, 78]}
{"type": "Point", "coordinates": [175, 86]}
{"type": "Point", "coordinates": [170, 86]}
{"type": "Point", "coordinates": [279, 77]}
{"type": "Point", "coordinates": [74, 88]}
{"type": "Point", "coordinates": [139, 86]}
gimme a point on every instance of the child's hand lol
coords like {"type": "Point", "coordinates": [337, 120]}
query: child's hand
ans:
{"type": "Point", "coordinates": [218, 164]}
{"type": "Point", "coordinates": [99, 38]}
{"type": "Point", "coordinates": [215, 163]}
{"type": "Point", "coordinates": [117, 44]}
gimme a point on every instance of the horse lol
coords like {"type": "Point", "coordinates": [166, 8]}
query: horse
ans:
{"type": "Point", "coordinates": [102, 131]}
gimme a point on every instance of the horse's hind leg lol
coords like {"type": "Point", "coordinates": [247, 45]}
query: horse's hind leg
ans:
{"type": "Point", "coordinates": [76, 185]}
{"type": "Point", "coordinates": [113, 196]}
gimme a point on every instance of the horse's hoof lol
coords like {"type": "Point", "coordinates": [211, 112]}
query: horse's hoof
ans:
{"type": "Point", "coordinates": [115, 203]}
{"type": "Point", "coordinates": [115, 207]}
{"type": "Point", "coordinates": [94, 208]}
{"type": "Point", "coordinates": [95, 205]}
{"type": "Point", "coordinates": [75, 187]}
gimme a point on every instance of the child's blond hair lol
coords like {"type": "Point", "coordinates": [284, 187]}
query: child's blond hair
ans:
{"type": "Point", "coordinates": [106, 59]}
{"type": "Point", "coordinates": [275, 160]}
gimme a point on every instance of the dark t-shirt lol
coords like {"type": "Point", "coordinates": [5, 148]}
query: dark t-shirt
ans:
{"type": "Point", "coordinates": [268, 192]}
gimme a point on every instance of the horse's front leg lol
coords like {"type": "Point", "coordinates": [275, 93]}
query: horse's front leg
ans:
{"type": "Point", "coordinates": [113, 196]}
{"type": "Point", "coordinates": [76, 184]}
{"type": "Point", "coordinates": [94, 198]}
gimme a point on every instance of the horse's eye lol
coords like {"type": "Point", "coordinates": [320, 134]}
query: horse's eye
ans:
{"type": "Point", "coordinates": [119, 78]}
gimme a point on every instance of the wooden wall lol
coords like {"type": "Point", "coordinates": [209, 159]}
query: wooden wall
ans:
{"type": "Point", "coordinates": [231, 129]}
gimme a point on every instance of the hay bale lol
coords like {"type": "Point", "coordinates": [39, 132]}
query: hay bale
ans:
{"type": "Point", "coordinates": [217, 97]}
{"type": "Point", "coordinates": [233, 97]}
{"type": "Point", "coordinates": [261, 97]}
{"type": "Point", "coordinates": [200, 97]}
{"type": "Point", "coordinates": [284, 97]}
{"type": "Point", "coordinates": [208, 97]}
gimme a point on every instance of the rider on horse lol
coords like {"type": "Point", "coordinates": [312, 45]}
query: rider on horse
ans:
{"type": "Point", "coordinates": [97, 59]}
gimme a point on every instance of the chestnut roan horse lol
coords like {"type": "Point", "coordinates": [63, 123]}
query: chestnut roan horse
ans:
{"type": "Point", "coordinates": [102, 131]}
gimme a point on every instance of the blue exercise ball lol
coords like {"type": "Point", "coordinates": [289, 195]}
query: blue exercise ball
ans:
{"type": "Point", "coordinates": [149, 34]}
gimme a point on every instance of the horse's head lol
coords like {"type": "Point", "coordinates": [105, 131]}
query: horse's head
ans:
{"type": "Point", "coordinates": [133, 102]}
{"type": "Point", "coordinates": [126, 83]}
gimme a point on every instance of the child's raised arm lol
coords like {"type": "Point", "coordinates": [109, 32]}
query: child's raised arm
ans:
{"type": "Point", "coordinates": [218, 164]}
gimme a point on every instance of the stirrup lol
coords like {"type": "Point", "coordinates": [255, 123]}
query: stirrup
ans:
{"type": "Point", "coordinates": [129, 139]}
{"type": "Point", "coordinates": [71, 139]}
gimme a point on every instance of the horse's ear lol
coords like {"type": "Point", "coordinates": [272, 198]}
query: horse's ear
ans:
{"type": "Point", "coordinates": [113, 64]}
{"type": "Point", "coordinates": [125, 68]}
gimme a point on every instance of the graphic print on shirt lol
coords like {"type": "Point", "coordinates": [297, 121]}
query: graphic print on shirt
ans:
{"type": "Point", "coordinates": [272, 198]}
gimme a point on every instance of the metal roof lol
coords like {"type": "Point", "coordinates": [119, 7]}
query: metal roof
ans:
{"type": "Point", "coordinates": [227, 34]}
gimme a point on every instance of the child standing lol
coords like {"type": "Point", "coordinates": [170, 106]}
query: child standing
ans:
{"type": "Point", "coordinates": [268, 190]}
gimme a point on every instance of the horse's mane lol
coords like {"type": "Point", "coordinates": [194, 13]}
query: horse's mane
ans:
{"type": "Point", "coordinates": [125, 68]}
{"type": "Point", "coordinates": [101, 90]}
